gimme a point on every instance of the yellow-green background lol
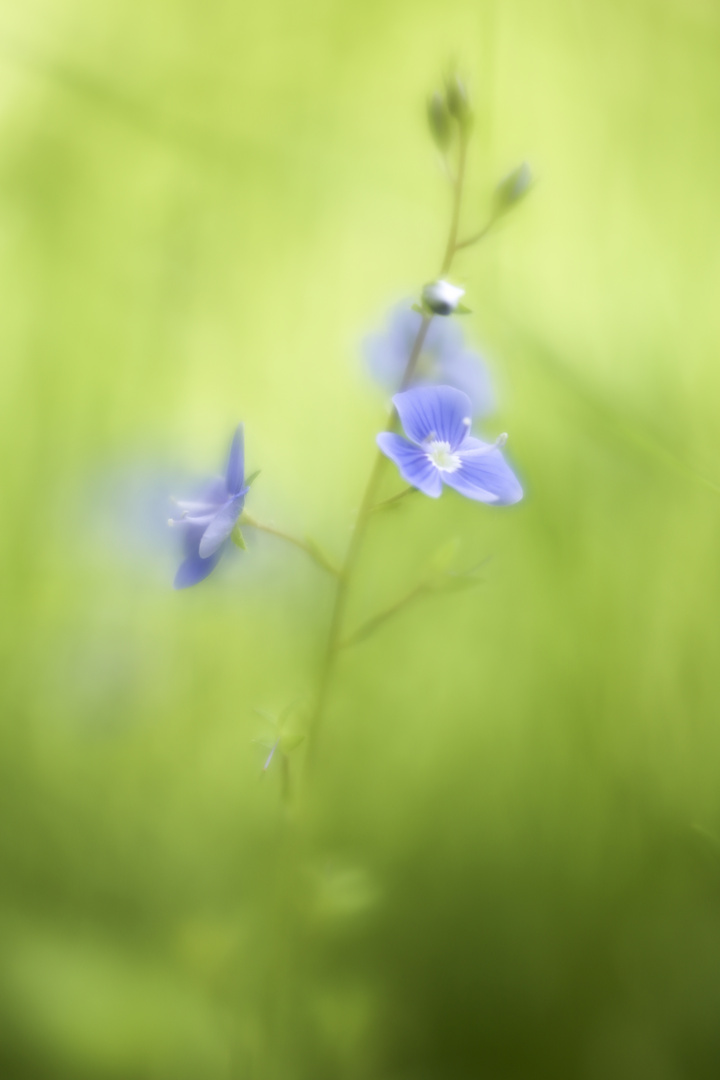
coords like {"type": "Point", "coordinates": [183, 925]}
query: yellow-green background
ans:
{"type": "Point", "coordinates": [512, 870]}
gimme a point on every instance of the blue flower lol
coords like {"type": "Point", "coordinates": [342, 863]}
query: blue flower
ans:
{"type": "Point", "coordinates": [444, 360]}
{"type": "Point", "coordinates": [208, 522]}
{"type": "Point", "coordinates": [440, 449]}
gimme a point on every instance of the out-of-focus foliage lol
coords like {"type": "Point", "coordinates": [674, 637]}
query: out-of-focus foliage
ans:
{"type": "Point", "coordinates": [514, 863]}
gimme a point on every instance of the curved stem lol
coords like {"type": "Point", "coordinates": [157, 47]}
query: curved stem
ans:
{"type": "Point", "coordinates": [305, 545]}
{"type": "Point", "coordinates": [373, 623]}
{"type": "Point", "coordinates": [394, 499]}
{"type": "Point", "coordinates": [457, 202]}
{"type": "Point", "coordinates": [476, 237]}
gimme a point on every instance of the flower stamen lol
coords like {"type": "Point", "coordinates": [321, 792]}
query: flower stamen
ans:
{"type": "Point", "coordinates": [441, 456]}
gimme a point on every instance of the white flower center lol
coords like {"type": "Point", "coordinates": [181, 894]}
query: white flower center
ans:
{"type": "Point", "coordinates": [442, 457]}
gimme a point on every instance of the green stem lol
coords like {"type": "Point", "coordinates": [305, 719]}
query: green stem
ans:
{"type": "Point", "coordinates": [457, 202]}
{"type": "Point", "coordinates": [394, 499]}
{"type": "Point", "coordinates": [377, 620]}
{"type": "Point", "coordinates": [367, 505]}
{"type": "Point", "coordinates": [353, 551]}
{"type": "Point", "coordinates": [305, 545]}
{"type": "Point", "coordinates": [476, 237]}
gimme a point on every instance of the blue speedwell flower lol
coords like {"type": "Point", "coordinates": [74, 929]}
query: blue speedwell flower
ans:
{"type": "Point", "coordinates": [445, 359]}
{"type": "Point", "coordinates": [440, 449]}
{"type": "Point", "coordinates": [208, 522]}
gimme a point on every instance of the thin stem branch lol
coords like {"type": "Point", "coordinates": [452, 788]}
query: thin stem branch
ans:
{"type": "Point", "coordinates": [394, 499]}
{"type": "Point", "coordinates": [476, 237]}
{"type": "Point", "coordinates": [373, 623]}
{"type": "Point", "coordinates": [305, 545]}
{"type": "Point", "coordinates": [457, 203]}
{"type": "Point", "coordinates": [353, 550]}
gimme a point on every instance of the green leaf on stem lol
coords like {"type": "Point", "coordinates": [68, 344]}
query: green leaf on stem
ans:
{"type": "Point", "coordinates": [443, 557]}
{"type": "Point", "coordinates": [238, 539]}
{"type": "Point", "coordinates": [290, 741]}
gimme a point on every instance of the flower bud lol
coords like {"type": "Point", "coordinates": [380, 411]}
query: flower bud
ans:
{"type": "Point", "coordinates": [439, 120]}
{"type": "Point", "coordinates": [513, 188]}
{"type": "Point", "coordinates": [456, 97]}
{"type": "Point", "coordinates": [441, 297]}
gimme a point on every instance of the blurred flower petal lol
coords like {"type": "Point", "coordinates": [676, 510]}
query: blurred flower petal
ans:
{"type": "Point", "coordinates": [434, 412]}
{"type": "Point", "coordinates": [209, 519]}
{"type": "Point", "coordinates": [413, 464]}
{"type": "Point", "coordinates": [444, 359]}
{"type": "Point", "coordinates": [221, 526]}
{"type": "Point", "coordinates": [236, 463]}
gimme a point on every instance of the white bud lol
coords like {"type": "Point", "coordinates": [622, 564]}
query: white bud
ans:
{"type": "Point", "coordinates": [441, 297]}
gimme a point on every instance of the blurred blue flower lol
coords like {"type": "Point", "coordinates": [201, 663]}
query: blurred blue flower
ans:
{"type": "Point", "coordinates": [445, 359]}
{"type": "Point", "coordinates": [440, 449]}
{"type": "Point", "coordinates": [208, 521]}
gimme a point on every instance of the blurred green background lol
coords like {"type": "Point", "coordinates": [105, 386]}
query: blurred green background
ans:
{"type": "Point", "coordinates": [513, 863]}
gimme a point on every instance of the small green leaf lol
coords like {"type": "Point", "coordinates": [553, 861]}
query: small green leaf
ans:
{"type": "Point", "coordinates": [461, 309]}
{"type": "Point", "coordinates": [253, 476]}
{"type": "Point", "coordinates": [443, 557]}
{"type": "Point", "coordinates": [262, 742]}
{"type": "Point", "coordinates": [238, 539]}
{"type": "Point", "coordinates": [267, 716]}
{"type": "Point", "coordinates": [290, 741]}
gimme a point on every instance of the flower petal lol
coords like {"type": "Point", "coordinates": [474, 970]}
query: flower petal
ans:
{"type": "Point", "coordinates": [194, 519]}
{"type": "Point", "coordinates": [467, 372]}
{"type": "Point", "coordinates": [440, 412]}
{"type": "Point", "coordinates": [235, 471]}
{"type": "Point", "coordinates": [387, 353]}
{"type": "Point", "coordinates": [444, 337]}
{"type": "Point", "coordinates": [484, 475]}
{"type": "Point", "coordinates": [196, 508]}
{"type": "Point", "coordinates": [412, 462]}
{"type": "Point", "coordinates": [194, 569]}
{"type": "Point", "coordinates": [221, 525]}
{"type": "Point", "coordinates": [386, 363]}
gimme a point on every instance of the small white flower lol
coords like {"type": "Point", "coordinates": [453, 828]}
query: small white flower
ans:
{"type": "Point", "coordinates": [441, 297]}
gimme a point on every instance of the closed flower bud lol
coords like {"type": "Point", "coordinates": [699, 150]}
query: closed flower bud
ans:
{"type": "Point", "coordinates": [439, 120]}
{"type": "Point", "coordinates": [512, 188]}
{"type": "Point", "coordinates": [441, 297]}
{"type": "Point", "coordinates": [456, 97]}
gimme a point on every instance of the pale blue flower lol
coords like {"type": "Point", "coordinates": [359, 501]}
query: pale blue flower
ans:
{"type": "Point", "coordinates": [208, 521]}
{"type": "Point", "coordinates": [444, 360]}
{"type": "Point", "coordinates": [440, 450]}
